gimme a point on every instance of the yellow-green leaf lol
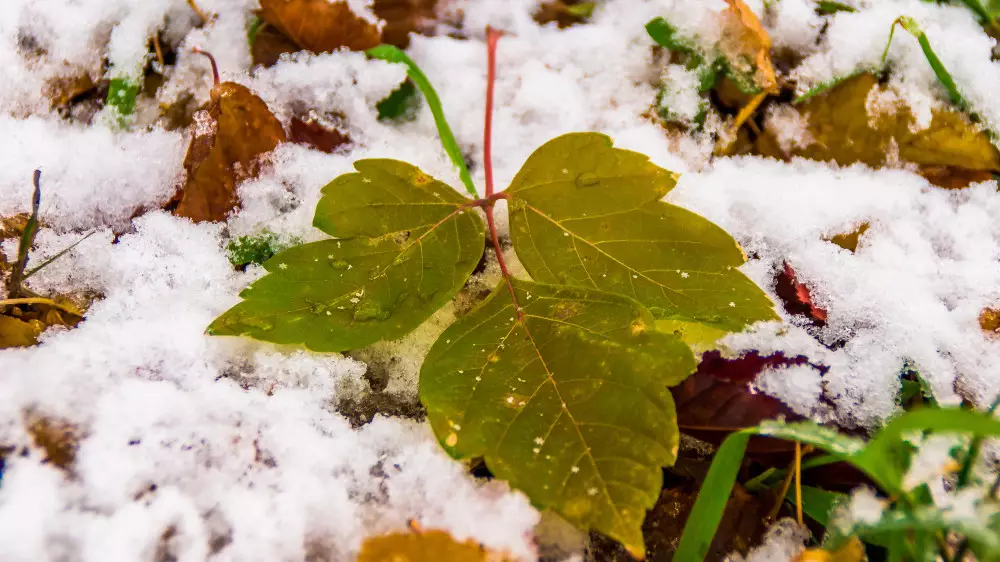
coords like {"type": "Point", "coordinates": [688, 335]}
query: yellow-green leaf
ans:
{"type": "Point", "coordinates": [406, 244]}
{"type": "Point", "coordinates": [570, 404]}
{"type": "Point", "coordinates": [597, 221]}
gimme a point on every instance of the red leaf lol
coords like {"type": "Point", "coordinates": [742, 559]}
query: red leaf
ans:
{"type": "Point", "coordinates": [717, 399]}
{"type": "Point", "coordinates": [796, 298]}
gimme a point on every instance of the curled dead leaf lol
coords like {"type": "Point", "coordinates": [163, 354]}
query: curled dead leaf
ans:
{"type": "Point", "coordinates": [989, 321]}
{"type": "Point", "coordinates": [321, 26]}
{"type": "Point", "coordinates": [228, 141]}
{"type": "Point", "coordinates": [746, 47]}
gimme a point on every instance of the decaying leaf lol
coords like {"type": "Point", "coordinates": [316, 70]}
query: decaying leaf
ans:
{"type": "Point", "coordinates": [405, 246]}
{"type": "Point", "coordinates": [564, 12]}
{"type": "Point", "coordinates": [989, 321]}
{"type": "Point", "coordinates": [599, 222]}
{"type": "Point", "coordinates": [320, 26]}
{"type": "Point", "coordinates": [849, 240]}
{"type": "Point", "coordinates": [859, 121]}
{"type": "Point", "coordinates": [718, 398]}
{"type": "Point", "coordinates": [796, 296]}
{"type": "Point", "coordinates": [746, 47]}
{"type": "Point", "coordinates": [569, 404]}
{"type": "Point", "coordinates": [228, 140]}
{"type": "Point", "coordinates": [58, 439]}
{"type": "Point", "coordinates": [424, 546]}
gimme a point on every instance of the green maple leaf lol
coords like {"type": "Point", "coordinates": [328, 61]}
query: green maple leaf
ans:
{"type": "Point", "coordinates": [571, 405]}
{"type": "Point", "coordinates": [406, 244]}
{"type": "Point", "coordinates": [585, 213]}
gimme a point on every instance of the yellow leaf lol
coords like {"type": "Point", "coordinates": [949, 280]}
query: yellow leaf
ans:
{"type": "Point", "coordinates": [18, 333]}
{"type": "Point", "coordinates": [849, 240]}
{"type": "Point", "coordinates": [840, 128]}
{"type": "Point", "coordinates": [747, 46]}
{"type": "Point", "coordinates": [851, 551]}
{"type": "Point", "coordinates": [424, 546]}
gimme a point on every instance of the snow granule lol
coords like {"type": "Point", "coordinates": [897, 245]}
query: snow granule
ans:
{"type": "Point", "coordinates": [784, 540]}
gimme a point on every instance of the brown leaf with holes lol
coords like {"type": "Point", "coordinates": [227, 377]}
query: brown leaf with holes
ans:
{"type": "Point", "coordinates": [858, 121]}
{"type": "Point", "coordinates": [228, 140]}
{"type": "Point", "coordinates": [424, 546]}
{"type": "Point", "coordinates": [320, 26]}
{"type": "Point", "coordinates": [747, 47]}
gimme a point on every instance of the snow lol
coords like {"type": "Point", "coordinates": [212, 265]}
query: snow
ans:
{"type": "Point", "coordinates": [229, 449]}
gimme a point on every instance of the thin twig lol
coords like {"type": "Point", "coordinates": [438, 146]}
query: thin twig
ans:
{"type": "Point", "coordinates": [798, 482]}
{"type": "Point", "coordinates": [197, 10]}
{"type": "Point", "coordinates": [159, 52]}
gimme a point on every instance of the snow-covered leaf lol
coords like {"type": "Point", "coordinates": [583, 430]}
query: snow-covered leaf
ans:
{"type": "Point", "coordinates": [585, 213]}
{"type": "Point", "coordinates": [746, 47]}
{"type": "Point", "coordinates": [569, 404]}
{"type": "Point", "coordinates": [406, 244]}
{"type": "Point", "coordinates": [228, 139]}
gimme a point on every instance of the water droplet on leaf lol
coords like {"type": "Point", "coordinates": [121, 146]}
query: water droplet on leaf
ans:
{"type": "Point", "coordinates": [587, 179]}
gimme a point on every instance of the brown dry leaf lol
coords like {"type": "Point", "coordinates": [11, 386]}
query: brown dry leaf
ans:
{"type": "Point", "coordinates": [320, 26]}
{"type": "Point", "coordinates": [269, 44]}
{"type": "Point", "coordinates": [228, 140]}
{"type": "Point", "coordinates": [59, 439]}
{"type": "Point", "coordinates": [747, 46]}
{"type": "Point", "coordinates": [840, 129]}
{"type": "Point", "coordinates": [424, 546]}
{"type": "Point", "coordinates": [403, 17]}
{"type": "Point", "coordinates": [849, 240]}
{"type": "Point", "coordinates": [64, 89]}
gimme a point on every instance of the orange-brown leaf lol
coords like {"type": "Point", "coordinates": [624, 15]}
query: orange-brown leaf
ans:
{"type": "Point", "coordinates": [229, 138]}
{"type": "Point", "coordinates": [989, 321]}
{"type": "Point", "coordinates": [747, 46]}
{"type": "Point", "coordinates": [320, 26]}
{"type": "Point", "coordinates": [423, 546]}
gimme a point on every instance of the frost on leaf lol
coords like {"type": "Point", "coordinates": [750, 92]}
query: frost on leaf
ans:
{"type": "Point", "coordinates": [424, 546]}
{"type": "Point", "coordinates": [598, 221]}
{"type": "Point", "coordinates": [321, 26]}
{"type": "Point", "coordinates": [405, 245]}
{"type": "Point", "coordinates": [569, 404]}
{"type": "Point", "coordinates": [228, 139]}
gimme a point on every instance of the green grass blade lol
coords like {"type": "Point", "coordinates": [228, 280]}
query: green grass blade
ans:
{"type": "Point", "coordinates": [666, 35]}
{"type": "Point", "coordinates": [27, 239]}
{"type": "Point", "coordinates": [826, 7]}
{"type": "Point", "coordinates": [57, 256]}
{"type": "Point", "coordinates": [392, 54]}
{"type": "Point", "coordinates": [880, 459]}
{"type": "Point", "coordinates": [943, 76]}
{"type": "Point", "coordinates": [817, 503]}
{"type": "Point", "coordinates": [706, 514]}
